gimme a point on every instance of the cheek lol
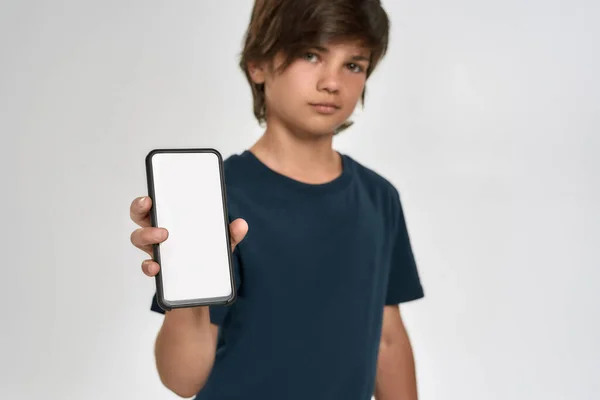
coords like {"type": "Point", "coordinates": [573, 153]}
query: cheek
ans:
{"type": "Point", "coordinates": [275, 91]}
{"type": "Point", "coordinates": [284, 96]}
{"type": "Point", "coordinates": [359, 85]}
{"type": "Point", "coordinates": [354, 89]}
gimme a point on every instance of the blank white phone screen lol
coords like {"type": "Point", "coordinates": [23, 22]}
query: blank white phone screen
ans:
{"type": "Point", "coordinates": [188, 198]}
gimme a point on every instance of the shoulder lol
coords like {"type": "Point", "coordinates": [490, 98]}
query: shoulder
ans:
{"type": "Point", "coordinates": [379, 188]}
{"type": "Point", "coordinates": [237, 181]}
{"type": "Point", "coordinates": [237, 168]}
{"type": "Point", "coordinates": [233, 164]}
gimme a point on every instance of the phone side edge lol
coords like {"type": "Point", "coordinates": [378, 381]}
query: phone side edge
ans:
{"type": "Point", "coordinates": [232, 298]}
{"type": "Point", "coordinates": [160, 298]}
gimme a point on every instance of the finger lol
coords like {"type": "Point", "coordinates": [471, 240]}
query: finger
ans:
{"type": "Point", "coordinates": [150, 267]}
{"type": "Point", "coordinates": [148, 250]}
{"type": "Point", "coordinates": [237, 231]}
{"type": "Point", "coordinates": [144, 238]}
{"type": "Point", "coordinates": [139, 211]}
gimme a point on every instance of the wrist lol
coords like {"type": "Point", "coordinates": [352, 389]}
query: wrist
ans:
{"type": "Point", "coordinates": [193, 315]}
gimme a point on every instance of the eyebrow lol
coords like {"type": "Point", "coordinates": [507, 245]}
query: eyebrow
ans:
{"type": "Point", "coordinates": [353, 58]}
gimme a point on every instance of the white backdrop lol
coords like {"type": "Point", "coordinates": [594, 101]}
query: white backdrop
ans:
{"type": "Point", "coordinates": [485, 114]}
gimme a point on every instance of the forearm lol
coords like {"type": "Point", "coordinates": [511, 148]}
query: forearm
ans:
{"type": "Point", "coordinates": [396, 378]}
{"type": "Point", "coordinates": [185, 350]}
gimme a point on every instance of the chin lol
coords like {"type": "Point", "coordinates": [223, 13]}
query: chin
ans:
{"type": "Point", "coordinates": [322, 128]}
{"type": "Point", "coordinates": [315, 132]}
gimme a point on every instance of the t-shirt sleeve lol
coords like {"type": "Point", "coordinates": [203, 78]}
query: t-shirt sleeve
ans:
{"type": "Point", "coordinates": [404, 283]}
{"type": "Point", "coordinates": [217, 313]}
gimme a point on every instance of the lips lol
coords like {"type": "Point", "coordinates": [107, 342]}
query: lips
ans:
{"type": "Point", "coordinates": [326, 105]}
{"type": "Point", "coordinates": [325, 108]}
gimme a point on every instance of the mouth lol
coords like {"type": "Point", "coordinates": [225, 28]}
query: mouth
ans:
{"type": "Point", "coordinates": [325, 108]}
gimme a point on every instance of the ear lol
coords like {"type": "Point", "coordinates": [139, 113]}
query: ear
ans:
{"type": "Point", "coordinates": [257, 72]}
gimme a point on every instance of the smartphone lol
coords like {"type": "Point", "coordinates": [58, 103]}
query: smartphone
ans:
{"type": "Point", "coordinates": [187, 188]}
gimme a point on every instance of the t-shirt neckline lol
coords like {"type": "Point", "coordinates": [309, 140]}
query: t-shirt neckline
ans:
{"type": "Point", "coordinates": [278, 179]}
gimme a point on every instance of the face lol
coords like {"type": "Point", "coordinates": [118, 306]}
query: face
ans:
{"type": "Point", "coordinates": [318, 91]}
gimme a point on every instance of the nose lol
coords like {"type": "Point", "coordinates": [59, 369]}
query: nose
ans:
{"type": "Point", "coordinates": [329, 81]}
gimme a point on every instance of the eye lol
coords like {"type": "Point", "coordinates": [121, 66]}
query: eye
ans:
{"type": "Point", "coordinates": [312, 57]}
{"type": "Point", "coordinates": [355, 68]}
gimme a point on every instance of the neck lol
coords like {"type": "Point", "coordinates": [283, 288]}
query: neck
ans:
{"type": "Point", "coordinates": [300, 157]}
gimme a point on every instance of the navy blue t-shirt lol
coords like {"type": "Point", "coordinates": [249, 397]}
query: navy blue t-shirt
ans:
{"type": "Point", "coordinates": [314, 272]}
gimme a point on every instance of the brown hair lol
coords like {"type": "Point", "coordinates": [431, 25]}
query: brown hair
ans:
{"type": "Point", "coordinates": [293, 26]}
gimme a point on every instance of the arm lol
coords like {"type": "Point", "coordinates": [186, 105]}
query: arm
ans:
{"type": "Point", "coordinates": [396, 378]}
{"type": "Point", "coordinates": [185, 350]}
{"type": "Point", "coordinates": [186, 344]}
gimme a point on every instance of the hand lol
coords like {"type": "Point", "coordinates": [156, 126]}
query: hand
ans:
{"type": "Point", "coordinates": [146, 235]}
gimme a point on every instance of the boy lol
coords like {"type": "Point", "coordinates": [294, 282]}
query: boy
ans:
{"type": "Point", "coordinates": [321, 250]}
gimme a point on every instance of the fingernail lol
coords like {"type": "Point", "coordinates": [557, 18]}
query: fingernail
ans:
{"type": "Point", "coordinates": [142, 200]}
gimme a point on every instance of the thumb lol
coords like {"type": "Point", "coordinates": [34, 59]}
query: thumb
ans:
{"type": "Point", "coordinates": [237, 231]}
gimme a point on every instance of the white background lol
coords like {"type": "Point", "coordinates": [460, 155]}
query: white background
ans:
{"type": "Point", "coordinates": [485, 114]}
